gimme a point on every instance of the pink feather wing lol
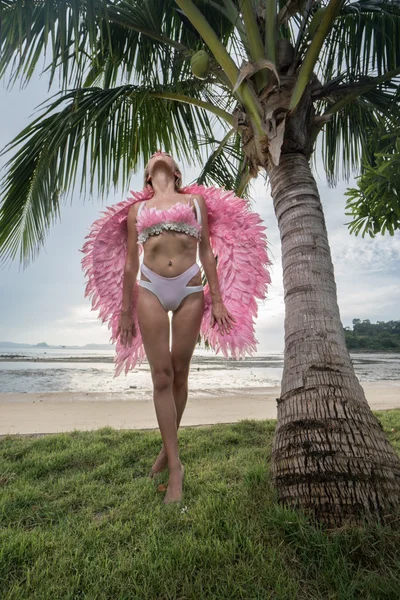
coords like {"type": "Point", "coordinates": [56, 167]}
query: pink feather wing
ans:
{"type": "Point", "coordinates": [238, 240]}
{"type": "Point", "coordinates": [103, 264]}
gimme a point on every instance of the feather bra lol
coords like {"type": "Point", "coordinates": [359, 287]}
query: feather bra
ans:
{"type": "Point", "coordinates": [179, 217]}
{"type": "Point", "coordinates": [238, 241]}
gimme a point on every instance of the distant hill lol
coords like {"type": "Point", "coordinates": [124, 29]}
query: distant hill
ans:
{"type": "Point", "coordinates": [45, 345]}
{"type": "Point", "coordinates": [382, 336]}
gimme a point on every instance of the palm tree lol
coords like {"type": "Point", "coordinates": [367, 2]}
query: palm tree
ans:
{"type": "Point", "coordinates": [271, 76]}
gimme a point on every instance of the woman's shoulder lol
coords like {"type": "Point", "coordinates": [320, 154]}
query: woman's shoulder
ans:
{"type": "Point", "coordinates": [199, 198]}
{"type": "Point", "coordinates": [133, 209]}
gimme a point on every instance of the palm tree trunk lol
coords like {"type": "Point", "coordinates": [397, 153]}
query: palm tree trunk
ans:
{"type": "Point", "coordinates": [330, 456]}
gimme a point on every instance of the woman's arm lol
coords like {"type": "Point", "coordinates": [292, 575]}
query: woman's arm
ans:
{"type": "Point", "coordinates": [132, 261]}
{"type": "Point", "coordinates": [126, 324]}
{"type": "Point", "coordinates": [220, 314]}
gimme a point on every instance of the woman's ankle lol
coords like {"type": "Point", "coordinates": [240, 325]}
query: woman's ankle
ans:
{"type": "Point", "coordinates": [175, 465]}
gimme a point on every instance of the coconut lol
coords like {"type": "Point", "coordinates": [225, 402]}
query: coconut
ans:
{"type": "Point", "coordinates": [200, 63]}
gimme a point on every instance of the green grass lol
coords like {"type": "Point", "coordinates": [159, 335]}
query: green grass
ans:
{"type": "Point", "coordinates": [80, 519]}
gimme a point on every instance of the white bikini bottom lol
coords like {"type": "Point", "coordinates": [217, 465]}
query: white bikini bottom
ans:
{"type": "Point", "coordinates": [170, 290]}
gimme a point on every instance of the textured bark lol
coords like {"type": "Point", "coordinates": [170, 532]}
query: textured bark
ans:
{"type": "Point", "coordinates": [330, 455]}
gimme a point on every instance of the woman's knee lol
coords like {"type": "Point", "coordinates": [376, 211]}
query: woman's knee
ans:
{"type": "Point", "coordinates": [163, 378]}
{"type": "Point", "coordinates": [181, 374]}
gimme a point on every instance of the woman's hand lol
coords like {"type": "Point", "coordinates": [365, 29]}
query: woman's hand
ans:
{"type": "Point", "coordinates": [126, 329]}
{"type": "Point", "coordinates": [222, 316]}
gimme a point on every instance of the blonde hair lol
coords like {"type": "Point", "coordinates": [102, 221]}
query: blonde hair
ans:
{"type": "Point", "coordinates": [178, 180]}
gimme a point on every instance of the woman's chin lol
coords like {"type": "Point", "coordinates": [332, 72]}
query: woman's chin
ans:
{"type": "Point", "coordinates": [165, 159]}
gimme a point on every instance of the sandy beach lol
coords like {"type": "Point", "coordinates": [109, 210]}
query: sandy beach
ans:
{"type": "Point", "coordinates": [56, 412]}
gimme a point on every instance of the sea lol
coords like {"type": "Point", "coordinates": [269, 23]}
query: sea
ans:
{"type": "Point", "coordinates": [81, 370]}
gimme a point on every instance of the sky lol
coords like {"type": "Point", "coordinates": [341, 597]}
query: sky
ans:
{"type": "Point", "coordinates": [45, 302]}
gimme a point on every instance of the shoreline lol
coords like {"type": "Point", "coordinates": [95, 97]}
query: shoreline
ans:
{"type": "Point", "coordinates": [110, 358]}
{"type": "Point", "coordinates": [46, 413]}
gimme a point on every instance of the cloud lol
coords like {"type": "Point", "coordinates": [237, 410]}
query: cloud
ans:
{"type": "Point", "coordinates": [365, 256]}
{"type": "Point", "coordinates": [78, 315]}
{"type": "Point", "coordinates": [79, 326]}
{"type": "Point", "coordinates": [377, 301]}
{"type": "Point", "coordinates": [46, 302]}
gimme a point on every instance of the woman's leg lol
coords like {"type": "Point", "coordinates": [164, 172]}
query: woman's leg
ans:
{"type": "Point", "coordinates": [186, 321]}
{"type": "Point", "coordinates": [154, 328]}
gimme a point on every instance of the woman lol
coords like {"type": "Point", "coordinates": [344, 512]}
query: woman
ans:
{"type": "Point", "coordinates": [170, 280]}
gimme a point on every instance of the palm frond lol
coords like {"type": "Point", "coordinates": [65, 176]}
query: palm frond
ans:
{"type": "Point", "coordinates": [313, 51]}
{"type": "Point", "coordinates": [364, 41]}
{"type": "Point", "coordinates": [345, 139]}
{"type": "Point", "coordinates": [111, 131]}
{"type": "Point", "coordinates": [226, 165]}
{"type": "Point", "coordinates": [143, 42]}
{"type": "Point", "coordinates": [69, 28]}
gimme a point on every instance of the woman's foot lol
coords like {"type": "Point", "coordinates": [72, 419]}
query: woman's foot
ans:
{"type": "Point", "coordinates": [160, 463]}
{"type": "Point", "coordinates": [175, 481]}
